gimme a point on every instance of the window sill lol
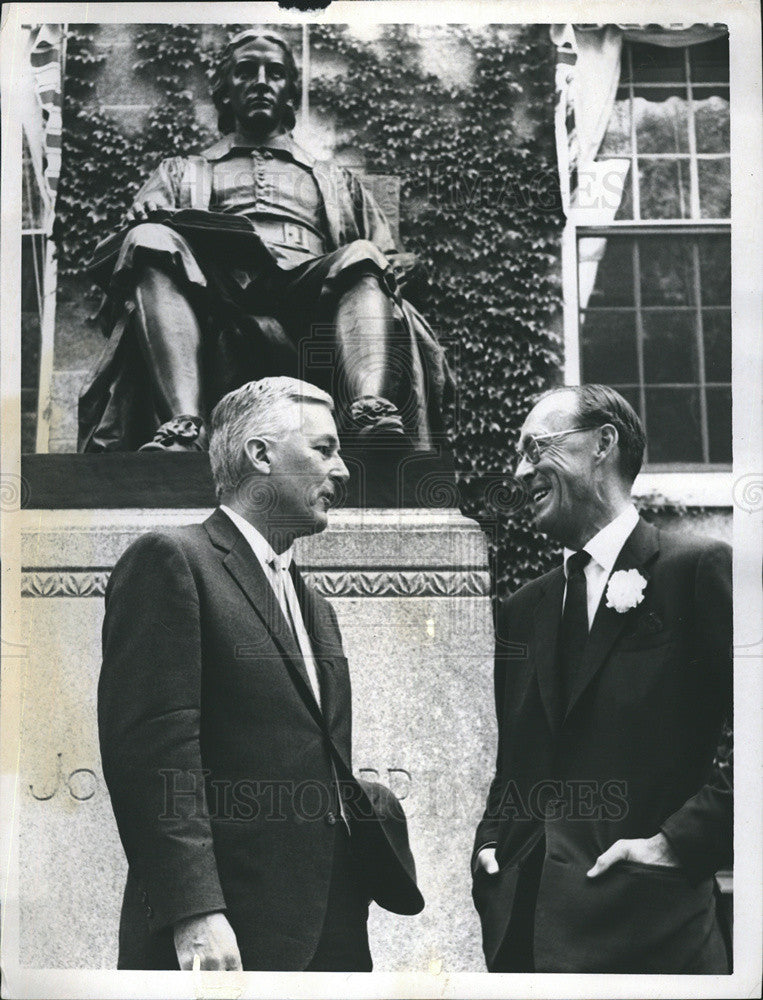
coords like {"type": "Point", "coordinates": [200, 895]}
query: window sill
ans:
{"type": "Point", "coordinates": [692, 489]}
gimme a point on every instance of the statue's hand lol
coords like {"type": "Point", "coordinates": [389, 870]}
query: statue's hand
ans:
{"type": "Point", "coordinates": [406, 267]}
{"type": "Point", "coordinates": [140, 211]}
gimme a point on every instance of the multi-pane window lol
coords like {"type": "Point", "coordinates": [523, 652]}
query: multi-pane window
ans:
{"type": "Point", "coordinates": [655, 285]}
{"type": "Point", "coordinates": [658, 327]}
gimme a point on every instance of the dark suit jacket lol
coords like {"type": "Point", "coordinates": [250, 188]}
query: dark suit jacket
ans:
{"type": "Point", "coordinates": [632, 755]}
{"type": "Point", "coordinates": [217, 757]}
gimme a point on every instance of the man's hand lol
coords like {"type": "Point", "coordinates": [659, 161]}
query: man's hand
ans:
{"type": "Point", "coordinates": [486, 861]}
{"type": "Point", "coordinates": [139, 211]}
{"type": "Point", "coordinates": [210, 937]}
{"type": "Point", "coordinates": [646, 851]}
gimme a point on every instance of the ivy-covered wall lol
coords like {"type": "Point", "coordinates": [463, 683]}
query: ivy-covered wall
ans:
{"type": "Point", "coordinates": [480, 205]}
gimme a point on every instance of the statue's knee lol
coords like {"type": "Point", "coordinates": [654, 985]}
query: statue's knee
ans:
{"type": "Point", "coordinates": [157, 255]}
{"type": "Point", "coordinates": [147, 234]}
{"type": "Point", "coordinates": [154, 276]}
{"type": "Point", "coordinates": [155, 236]}
{"type": "Point", "coordinates": [369, 282]}
{"type": "Point", "coordinates": [366, 288]}
{"type": "Point", "coordinates": [365, 247]}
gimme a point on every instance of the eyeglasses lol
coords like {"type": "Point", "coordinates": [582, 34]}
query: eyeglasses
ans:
{"type": "Point", "coordinates": [531, 449]}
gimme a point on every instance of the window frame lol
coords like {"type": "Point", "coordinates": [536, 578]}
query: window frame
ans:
{"type": "Point", "coordinates": [692, 157]}
{"type": "Point", "coordinates": [695, 484]}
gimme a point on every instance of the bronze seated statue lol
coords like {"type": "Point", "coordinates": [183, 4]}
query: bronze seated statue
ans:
{"type": "Point", "coordinates": [253, 259]}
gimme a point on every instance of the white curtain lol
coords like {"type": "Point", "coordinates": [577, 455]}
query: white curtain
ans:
{"type": "Point", "coordinates": [587, 77]}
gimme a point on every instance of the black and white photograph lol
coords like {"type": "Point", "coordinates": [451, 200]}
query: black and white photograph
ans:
{"type": "Point", "coordinates": [388, 634]}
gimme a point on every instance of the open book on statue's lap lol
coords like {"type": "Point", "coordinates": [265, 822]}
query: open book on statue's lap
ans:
{"type": "Point", "coordinates": [227, 235]}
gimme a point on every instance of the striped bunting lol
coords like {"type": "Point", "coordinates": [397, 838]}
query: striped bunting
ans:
{"type": "Point", "coordinates": [45, 60]}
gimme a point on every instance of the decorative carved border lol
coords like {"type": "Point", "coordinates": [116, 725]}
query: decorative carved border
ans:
{"type": "Point", "coordinates": [331, 583]}
{"type": "Point", "coordinates": [65, 583]}
{"type": "Point", "coordinates": [400, 583]}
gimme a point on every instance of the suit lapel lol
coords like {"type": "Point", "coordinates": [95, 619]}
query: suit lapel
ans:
{"type": "Point", "coordinates": [639, 549]}
{"type": "Point", "coordinates": [245, 569]}
{"type": "Point", "coordinates": [548, 613]}
{"type": "Point", "coordinates": [326, 644]}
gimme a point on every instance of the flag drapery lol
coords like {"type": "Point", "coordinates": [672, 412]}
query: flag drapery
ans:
{"type": "Point", "coordinates": [42, 122]}
{"type": "Point", "coordinates": [41, 96]}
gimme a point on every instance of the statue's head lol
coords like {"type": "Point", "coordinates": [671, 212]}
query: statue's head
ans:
{"type": "Point", "coordinates": [255, 82]}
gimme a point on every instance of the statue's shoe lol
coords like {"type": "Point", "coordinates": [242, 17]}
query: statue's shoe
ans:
{"type": "Point", "coordinates": [182, 433]}
{"type": "Point", "coordinates": [374, 417]}
{"type": "Point", "coordinates": [384, 425]}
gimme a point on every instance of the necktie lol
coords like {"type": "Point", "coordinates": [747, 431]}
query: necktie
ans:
{"type": "Point", "coordinates": [287, 598]}
{"type": "Point", "coordinates": [573, 631]}
{"type": "Point", "coordinates": [293, 612]}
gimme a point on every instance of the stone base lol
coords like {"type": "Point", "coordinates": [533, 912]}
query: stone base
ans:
{"type": "Point", "coordinates": [382, 475]}
{"type": "Point", "coordinates": [410, 588]}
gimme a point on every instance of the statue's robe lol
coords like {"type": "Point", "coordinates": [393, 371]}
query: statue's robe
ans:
{"type": "Point", "coordinates": [225, 269]}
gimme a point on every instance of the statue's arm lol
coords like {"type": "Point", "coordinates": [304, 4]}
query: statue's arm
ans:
{"type": "Point", "coordinates": [372, 225]}
{"type": "Point", "coordinates": [161, 192]}
{"type": "Point", "coordinates": [371, 222]}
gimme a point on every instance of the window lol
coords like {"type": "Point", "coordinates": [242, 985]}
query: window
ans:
{"type": "Point", "coordinates": [654, 283]}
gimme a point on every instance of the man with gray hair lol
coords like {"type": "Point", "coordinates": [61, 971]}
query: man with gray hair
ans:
{"type": "Point", "coordinates": [224, 719]}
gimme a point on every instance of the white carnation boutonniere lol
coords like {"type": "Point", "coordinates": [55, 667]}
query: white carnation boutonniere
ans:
{"type": "Point", "coordinates": [625, 590]}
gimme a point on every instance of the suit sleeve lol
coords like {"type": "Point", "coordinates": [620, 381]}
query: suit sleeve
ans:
{"type": "Point", "coordinates": [487, 829]}
{"type": "Point", "coordinates": [701, 832]}
{"type": "Point", "coordinates": [149, 698]}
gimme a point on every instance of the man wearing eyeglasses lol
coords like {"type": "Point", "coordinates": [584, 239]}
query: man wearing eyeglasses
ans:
{"type": "Point", "coordinates": [608, 815]}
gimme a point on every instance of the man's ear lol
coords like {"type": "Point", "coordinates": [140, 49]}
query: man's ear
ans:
{"type": "Point", "coordinates": [608, 439]}
{"type": "Point", "coordinates": [258, 454]}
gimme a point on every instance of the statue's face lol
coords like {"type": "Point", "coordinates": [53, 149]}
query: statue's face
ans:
{"type": "Point", "coordinates": [259, 89]}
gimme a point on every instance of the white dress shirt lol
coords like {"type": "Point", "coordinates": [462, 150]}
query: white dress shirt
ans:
{"type": "Point", "coordinates": [276, 569]}
{"type": "Point", "coordinates": [604, 548]}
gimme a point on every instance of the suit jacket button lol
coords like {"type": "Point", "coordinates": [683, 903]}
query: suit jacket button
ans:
{"type": "Point", "coordinates": [330, 819]}
{"type": "Point", "coordinates": [149, 911]}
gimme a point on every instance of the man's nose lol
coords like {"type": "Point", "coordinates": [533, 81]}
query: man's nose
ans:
{"type": "Point", "coordinates": [340, 470]}
{"type": "Point", "coordinates": [524, 468]}
{"type": "Point", "coordinates": [262, 76]}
